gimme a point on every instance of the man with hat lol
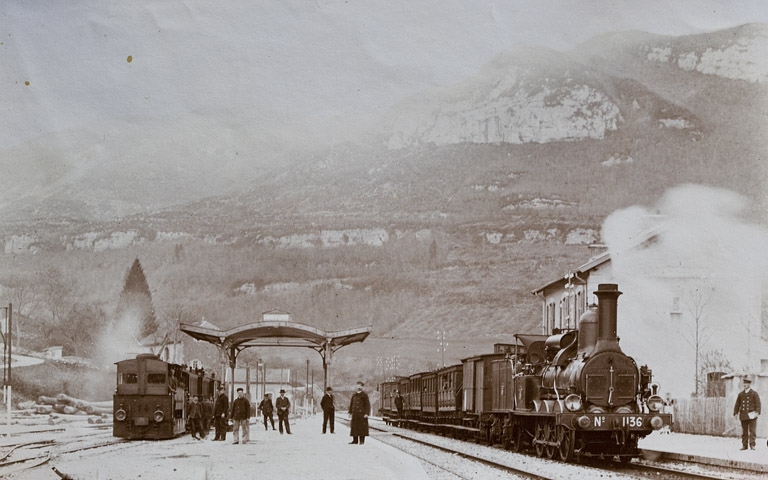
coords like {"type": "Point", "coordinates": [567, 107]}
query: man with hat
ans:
{"type": "Point", "coordinates": [266, 409]}
{"type": "Point", "coordinates": [748, 408]}
{"type": "Point", "coordinates": [220, 409]}
{"type": "Point", "coordinates": [283, 406]}
{"type": "Point", "coordinates": [359, 409]}
{"type": "Point", "coordinates": [329, 408]}
{"type": "Point", "coordinates": [240, 414]}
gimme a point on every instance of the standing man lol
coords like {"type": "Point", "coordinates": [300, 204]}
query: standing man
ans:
{"type": "Point", "coordinates": [266, 410]}
{"type": "Point", "coordinates": [241, 412]}
{"type": "Point", "coordinates": [207, 407]}
{"type": "Point", "coordinates": [748, 408]}
{"type": "Point", "coordinates": [283, 406]}
{"type": "Point", "coordinates": [195, 417]}
{"type": "Point", "coordinates": [220, 409]}
{"type": "Point", "coordinates": [329, 409]}
{"type": "Point", "coordinates": [359, 409]}
{"type": "Point", "coordinates": [399, 404]}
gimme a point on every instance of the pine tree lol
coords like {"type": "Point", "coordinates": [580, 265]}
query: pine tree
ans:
{"type": "Point", "coordinates": [135, 301]}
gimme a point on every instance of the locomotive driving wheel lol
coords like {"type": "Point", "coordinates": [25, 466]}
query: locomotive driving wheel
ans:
{"type": "Point", "coordinates": [539, 439]}
{"type": "Point", "coordinates": [516, 441]}
{"type": "Point", "coordinates": [550, 436]}
{"type": "Point", "coordinates": [565, 439]}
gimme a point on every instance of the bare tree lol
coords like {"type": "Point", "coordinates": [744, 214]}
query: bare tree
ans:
{"type": "Point", "coordinates": [698, 333]}
{"type": "Point", "coordinates": [57, 297]}
{"type": "Point", "coordinates": [22, 296]}
{"type": "Point", "coordinates": [170, 319]}
{"type": "Point", "coordinates": [80, 328]}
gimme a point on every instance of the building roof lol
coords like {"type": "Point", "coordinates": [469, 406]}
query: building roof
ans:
{"type": "Point", "coordinates": [583, 269]}
{"type": "Point", "coordinates": [641, 240]}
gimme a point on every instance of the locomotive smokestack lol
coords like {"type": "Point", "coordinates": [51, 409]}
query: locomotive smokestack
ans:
{"type": "Point", "coordinates": [607, 303]}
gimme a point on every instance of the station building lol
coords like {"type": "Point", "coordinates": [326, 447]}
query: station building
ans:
{"type": "Point", "coordinates": [680, 312]}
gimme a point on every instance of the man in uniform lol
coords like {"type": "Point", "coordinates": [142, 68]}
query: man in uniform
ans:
{"type": "Point", "coordinates": [748, 408]}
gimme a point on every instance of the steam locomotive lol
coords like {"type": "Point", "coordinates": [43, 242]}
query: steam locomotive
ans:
{"type": "Point", "coordinates": [152, 397]}
{"type": "Point", "coordinates": [569, 395]}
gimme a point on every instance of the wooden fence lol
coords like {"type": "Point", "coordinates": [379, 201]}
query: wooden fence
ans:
{"type": "Point", "coordinates": [706, 416]}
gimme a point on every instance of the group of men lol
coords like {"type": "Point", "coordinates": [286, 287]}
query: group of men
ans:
{"type": "Point", "coordinates": [359, 409]}
{"type": "Point", "coordinates": [240, 413]}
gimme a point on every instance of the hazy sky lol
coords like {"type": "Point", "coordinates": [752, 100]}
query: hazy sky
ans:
{"type": "Point", "coordinates": [85, 64]}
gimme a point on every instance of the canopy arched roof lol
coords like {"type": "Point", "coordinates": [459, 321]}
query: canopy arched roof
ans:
{"type": "Point", "coordinates": [276, 334]}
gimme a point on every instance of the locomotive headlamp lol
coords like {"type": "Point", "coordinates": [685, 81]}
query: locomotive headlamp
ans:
{"type": "Point", "coordinates": [159, 416]}
{"type": "Point", "coordinates": [573, 402]}
{"type": "Point", "coordinates": [654, 403]}
{"type": "Point", "coordinates": [657, 423]}
{"type": "Point", "coordinates": [120, 415]}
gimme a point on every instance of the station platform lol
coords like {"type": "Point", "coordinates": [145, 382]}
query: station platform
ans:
{"type": "Point", "coordinates": [705, 449]}
{"type": "Point", "coordinates": [308, 453]}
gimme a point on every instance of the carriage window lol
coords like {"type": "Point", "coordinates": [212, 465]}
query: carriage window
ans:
{"type": "Point", "coordinates": [127, 378]}
{"type": "Point", "coordinates": [156, 378]}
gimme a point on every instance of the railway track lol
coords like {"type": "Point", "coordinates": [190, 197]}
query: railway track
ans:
{"type": "Point", "coordinates": [503, 461]}
{"type": "Point", "coordinates": [16, 458]}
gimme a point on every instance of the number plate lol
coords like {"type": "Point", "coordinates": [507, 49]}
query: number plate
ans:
{"type": "Point", "coordinates": [141, 421]}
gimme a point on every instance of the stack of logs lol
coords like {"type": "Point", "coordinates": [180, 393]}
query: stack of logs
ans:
{"type": "Point", "coordinates": [65, 404]}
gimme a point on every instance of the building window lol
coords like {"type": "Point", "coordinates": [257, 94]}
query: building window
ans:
{"type": "Point", "coordinates": [676, 304]}
{"type": "Point", "coordinates": [674, 311]}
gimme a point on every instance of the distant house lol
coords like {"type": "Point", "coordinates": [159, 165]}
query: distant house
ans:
{"type": "Point", "coordinates": [678, 311]}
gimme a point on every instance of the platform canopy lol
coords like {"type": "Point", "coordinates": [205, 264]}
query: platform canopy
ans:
{"type": "Point", "coordinates": [276, 334]}
{"type": "Point", "coordinates": [275, 330]}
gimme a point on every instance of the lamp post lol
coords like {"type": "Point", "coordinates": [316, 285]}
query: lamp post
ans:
{"type": "Point", "coordinates": [260, 380]}
{"type": "Point", "coordinates": [306, 395]}
{"type": "Point", "coordinates": [5, 331]}
{"type": "Point", "coordinates": [264, 377]}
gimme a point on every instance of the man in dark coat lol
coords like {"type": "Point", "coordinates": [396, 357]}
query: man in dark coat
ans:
{"type": "Point", "coordinates": [359, 409]}
{"type": "Point", "coordinates": [220, 409]}
{"type": "Point", "coordinates": [207, 406]}
{"type": "Point", "coordinates": [241, 412]}
{"type": "Point", "coordinates": [399, 403]}
{"type": "Point", "coordinates": [748, 408]}
{"type": "Point", "coordinates": [195, 416]}
{"type": "Point", "coordinates": [266, 408]}
{"type": "Point", "coordinates": [283, 406]}
{"type": "Point", "coordinates": [329, 409]}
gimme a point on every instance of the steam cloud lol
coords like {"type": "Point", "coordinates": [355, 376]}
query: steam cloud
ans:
{"type": "Point", "coordinates": [694, 256]}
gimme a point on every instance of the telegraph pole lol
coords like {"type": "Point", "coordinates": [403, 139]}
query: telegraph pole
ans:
{"type": "Point", "coordinates": [442, 344]}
